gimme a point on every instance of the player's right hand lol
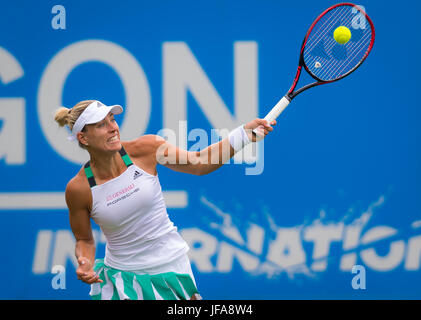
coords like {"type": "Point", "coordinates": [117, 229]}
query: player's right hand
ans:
{"type": "Point", "coordinates": [85, 271]}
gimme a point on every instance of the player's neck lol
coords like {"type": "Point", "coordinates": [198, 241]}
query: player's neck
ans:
{"type": "Point", "coordinates": [106, 165]}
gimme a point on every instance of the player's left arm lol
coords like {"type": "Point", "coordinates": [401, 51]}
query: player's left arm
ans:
{"type": "Point", "coordinates": [207, 160]}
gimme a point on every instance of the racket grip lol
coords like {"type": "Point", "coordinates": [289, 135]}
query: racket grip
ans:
{"type": "Point", "coordinates": [275, 112]}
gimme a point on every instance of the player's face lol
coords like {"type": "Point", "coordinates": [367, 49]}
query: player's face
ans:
{"type": "Point", "coordinates": [104, 135]}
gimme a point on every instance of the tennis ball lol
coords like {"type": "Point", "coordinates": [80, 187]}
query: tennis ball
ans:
{"type": "Point", "coordinates": [342, 34]}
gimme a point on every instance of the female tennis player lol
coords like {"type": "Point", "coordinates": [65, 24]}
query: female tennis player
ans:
{"type": "Point", "coordinates": [145, 256]}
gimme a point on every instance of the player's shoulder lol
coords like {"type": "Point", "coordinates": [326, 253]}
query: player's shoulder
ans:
{"type": "Point", "coordinates": [143, 146]}
{"type": "Point", "coordinates": [78, 187]}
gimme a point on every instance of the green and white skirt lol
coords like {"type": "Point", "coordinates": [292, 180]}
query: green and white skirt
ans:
{"type": "Point", "coordinates": [137, 285]}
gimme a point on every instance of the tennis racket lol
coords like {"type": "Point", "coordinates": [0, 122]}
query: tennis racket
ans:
{"type": "Point", "coordinates": [325, 59]}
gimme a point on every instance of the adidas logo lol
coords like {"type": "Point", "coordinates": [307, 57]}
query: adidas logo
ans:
{"type": "Point", "coordinates": [137, 174]}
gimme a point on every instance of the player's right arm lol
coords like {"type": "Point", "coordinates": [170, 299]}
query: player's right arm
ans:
{"type": "Point", "coordinates": [79, 199]}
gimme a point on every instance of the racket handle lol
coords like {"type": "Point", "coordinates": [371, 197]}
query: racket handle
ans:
{"type": "Point", "coordinates": [275, 112]}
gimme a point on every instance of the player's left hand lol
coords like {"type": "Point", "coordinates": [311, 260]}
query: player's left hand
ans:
{"type": "Point", "coordinates": [264, 127]}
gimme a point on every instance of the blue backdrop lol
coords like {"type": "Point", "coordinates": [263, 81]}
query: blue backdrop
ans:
{"type": "Point", "coordinates": [329, 210]}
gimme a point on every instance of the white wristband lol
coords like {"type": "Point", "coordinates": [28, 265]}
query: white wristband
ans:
{"type": "Point", "coordinates": [238, 138]}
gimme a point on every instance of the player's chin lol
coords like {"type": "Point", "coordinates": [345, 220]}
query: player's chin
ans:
{"type": "Point", "coordinates": [113, 145]}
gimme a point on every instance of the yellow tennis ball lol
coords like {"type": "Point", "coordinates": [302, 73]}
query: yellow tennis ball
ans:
{"type": "Point", "coordinates": [342, 34]}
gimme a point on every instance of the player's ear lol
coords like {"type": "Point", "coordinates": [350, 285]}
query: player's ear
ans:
{"type": "Point", "coordinates": [82, 138]}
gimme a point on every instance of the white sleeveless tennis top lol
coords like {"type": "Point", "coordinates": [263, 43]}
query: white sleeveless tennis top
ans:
{"type": "Point", "coordinates": [131, 212]}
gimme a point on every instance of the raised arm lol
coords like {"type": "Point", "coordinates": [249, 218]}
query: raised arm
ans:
{"type": "Point", "coordinates": [207, 160]}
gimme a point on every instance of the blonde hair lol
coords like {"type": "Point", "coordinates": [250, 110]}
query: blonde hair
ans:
{"type": "Point", "coordinates": [67, 117]}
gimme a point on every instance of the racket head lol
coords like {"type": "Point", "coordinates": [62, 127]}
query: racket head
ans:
{"type": "Point", "coordinates": [325, 59]}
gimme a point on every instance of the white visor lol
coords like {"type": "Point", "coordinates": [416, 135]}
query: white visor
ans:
{"type": "Point", "coordinates": [94, 113]}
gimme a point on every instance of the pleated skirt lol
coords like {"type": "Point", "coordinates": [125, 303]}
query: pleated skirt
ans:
{"type": "Point", "coordinates": [177, 283]}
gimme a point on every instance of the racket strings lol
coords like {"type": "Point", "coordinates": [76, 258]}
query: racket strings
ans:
{"type": "Point", "coordinates": [357, 52]}
{"type": "Point", "coordinates": [330, 42]}
{"type": "Point", "coordinates": [329, 60]}
{"type": "Point", "coordinates": [325, 25]}
{"type": "Point", "coordinates": [332, 69]}
{"type": "Point", "coordinates": [327, 46]}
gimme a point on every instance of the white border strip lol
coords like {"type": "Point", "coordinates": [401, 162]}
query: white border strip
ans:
{"type": "Point", "coordinates": [55, 200]}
